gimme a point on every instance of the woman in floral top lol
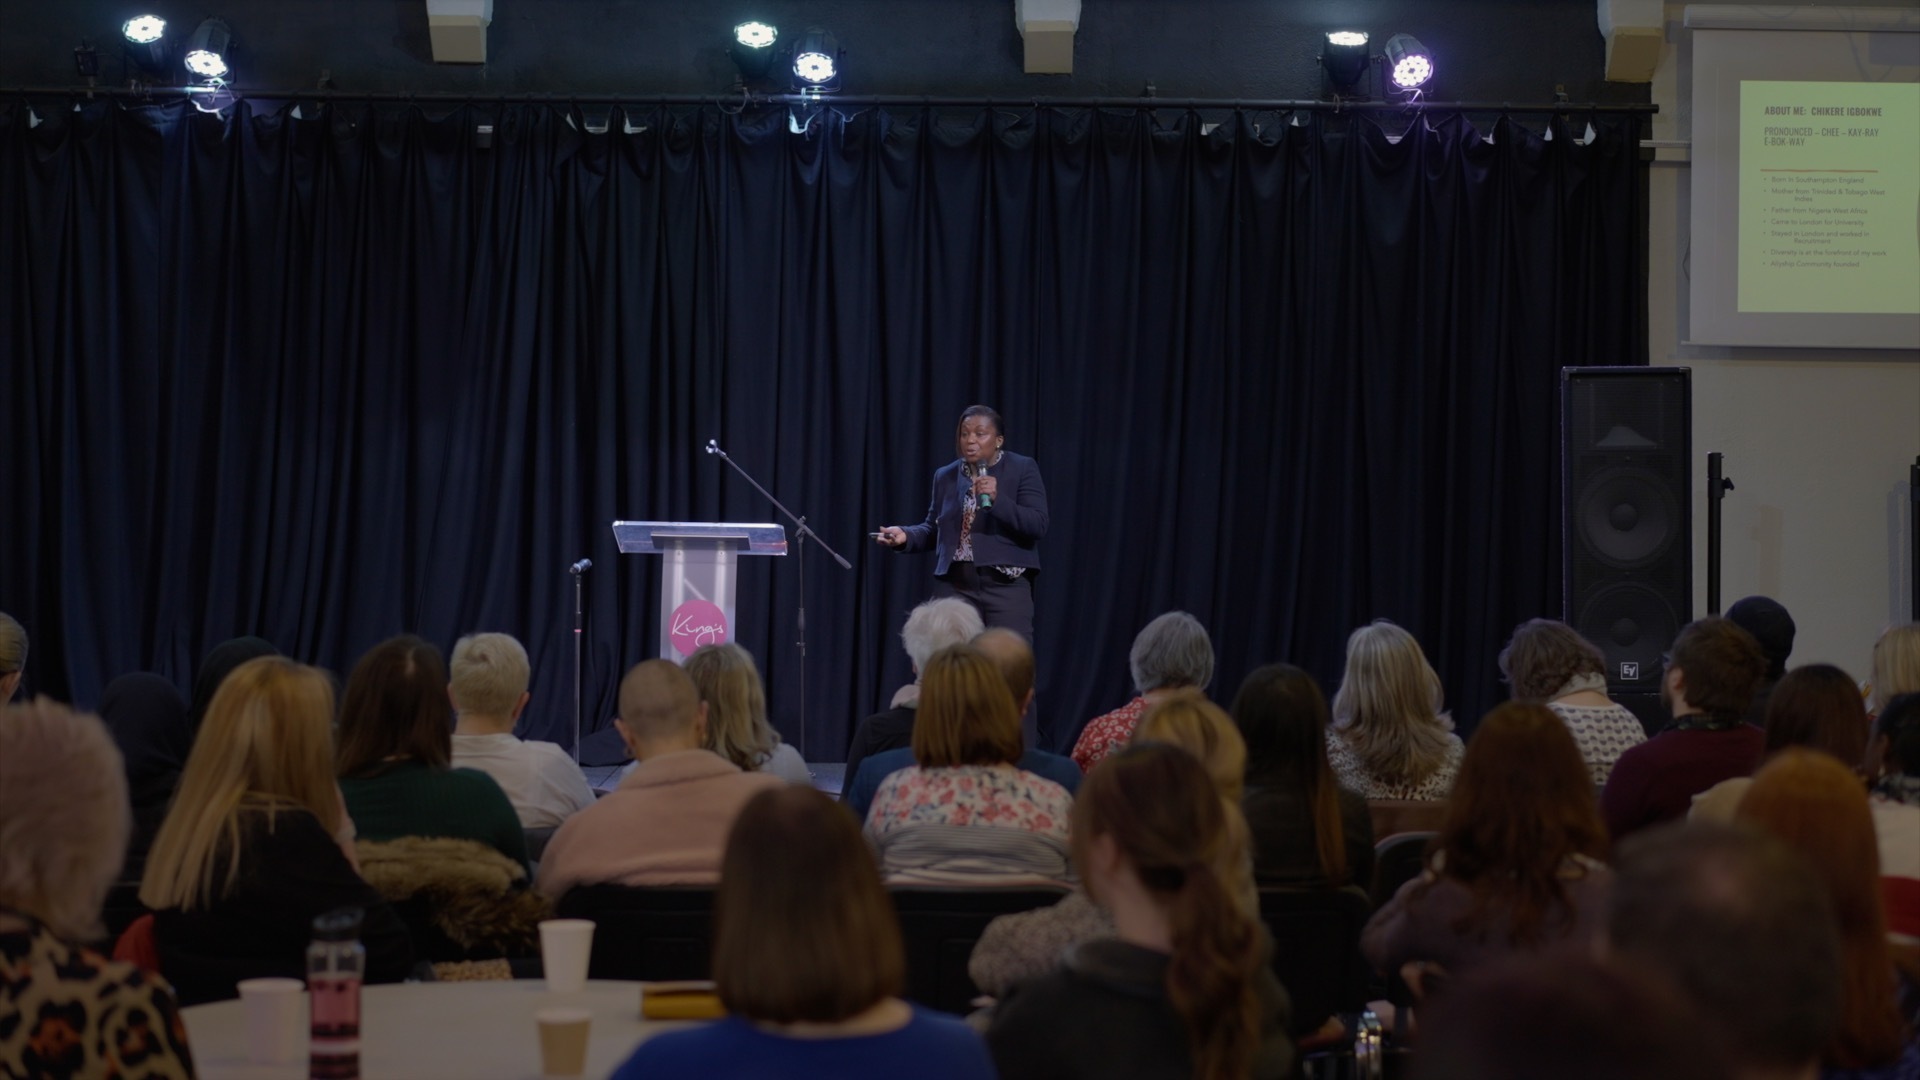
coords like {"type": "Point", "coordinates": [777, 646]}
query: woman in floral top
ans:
{"type": "Point", "coordinates": [963, 811]}
{"type": "Point", "coordinates": [1171, 653]}
{"type": "Point", "coordinates": [65, 1010]}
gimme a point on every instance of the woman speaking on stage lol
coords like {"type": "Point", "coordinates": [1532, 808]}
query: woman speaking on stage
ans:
{"type": "Point", "coordinates": [988, 514]}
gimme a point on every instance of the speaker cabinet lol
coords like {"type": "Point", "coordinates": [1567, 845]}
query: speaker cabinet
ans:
{"type": "Point", "coordinates": [1626, 455]}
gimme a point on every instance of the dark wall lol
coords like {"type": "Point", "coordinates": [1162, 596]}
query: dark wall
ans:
{"type": "Point", "coordinates": [1487, 50]}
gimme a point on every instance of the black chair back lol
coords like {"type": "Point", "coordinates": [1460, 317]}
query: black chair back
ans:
{"type": "Point", "coordinates": [941, 925]}
{"type": "Point", "coordinates": [1397, 860]}
{"type": "Point", "coordinates": [1316, 950]}
{"type": "Point", "coordinates": [121, 910]}
{"type": "Point", "coordinates": [655, 933]}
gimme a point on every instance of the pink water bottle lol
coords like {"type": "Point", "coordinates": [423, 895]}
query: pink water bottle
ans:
{"type": "Point", "coordinates": [336, 963]}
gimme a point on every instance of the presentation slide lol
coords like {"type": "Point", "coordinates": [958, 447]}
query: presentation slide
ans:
{"type": "Point", "coordinates": [1829, 198]}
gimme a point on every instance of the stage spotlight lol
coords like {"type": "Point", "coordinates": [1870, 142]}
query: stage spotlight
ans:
{"type": "Point", "coordinates": [752, 49]}
{"type": "Point", "coordinates": [1408, 61]}
{"type": "Point", "coordinates": [146, 41]}
{"type": "Point", "coordinates": [207, 50]}
{"type": "Point", "coordinates": [1345, 58]}
{"type": "Point", "coordinates": [816, 62]}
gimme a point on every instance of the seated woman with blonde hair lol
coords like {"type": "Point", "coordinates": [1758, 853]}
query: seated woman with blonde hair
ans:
{"type": "Point", "coordinates": [1028, 944]}
{"type": "Point", "coordinates": [1183, 987]}
{"type": "Point", "coordinates": [1389, 739]}
{"type": "Point", "coordinates": [809, 963]}
{"type": "Point", "coordinates": [256, 844]}
{"type": "Point", "coordinates": [737, 727]}
{"type": "Point", "coordinates": [964, 812]}
{"type": "Point", "coordinates": [66, 1010]}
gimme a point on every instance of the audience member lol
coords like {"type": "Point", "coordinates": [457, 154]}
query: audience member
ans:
{"type": "Point", "coordinates": [1817, 706]}
{"type": "Point", "coordinates": [214, 670]}
{"type": "Point", "coordinates": [667, 822]}
{"type": "Point", "coordinates": [1567, 1015]}
{"type": "Point", "coordinates": [487, 684]}
{"type": "Point", "coordinates": [1896, 665]}
{"type": "Point", "coordinates": [13, 656]}
{"type": "Point", "coordinates": [1742, 926]}
{"type": "Point", "coordinates": [1183, 988]}
{"type": "Point", "coordinates": [1173, 652]}
{"type": "Point", "coordinates": [1389, 739]}
{"type": "Point", "coordinates": [1549, 663]}
{"type": "Point", "coordinates": [932, 626]}
{"type": "Point", "coordinates": [256, 844]}
{"type": "Point", "coordinates": [737, 727]}
{"type": "Point", "coordinates": [809, 963]}
{"type": "Point", "coordinates": [396, 756]}
{"type": "Point", "coordinates": [1708, 685]}
{"type": "Point", "coordinates": [67, 1011]}
{"type": "Point", "coordinates": [1773, 629]}
{"type": "Point", "coordinates": [148, 719]}
{"type": "Point", "coordinates": [1014, 657]}
{"type": "Point", "coordinates": [1029, 944]}
{"type": "Point", "coordinates": [1894, 763]}
{"type": "Point", "coordinates": [1816, 805]}
{"type": "Point", "coordinates": [1305, 828]}
{"type": "Point", "coordinates": [964, 812]}
{"type": "Point", "coordinates": [1516, 865]}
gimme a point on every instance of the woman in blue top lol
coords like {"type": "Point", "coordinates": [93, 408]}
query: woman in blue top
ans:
{"type": "Point", "coordinates": [809, 963]}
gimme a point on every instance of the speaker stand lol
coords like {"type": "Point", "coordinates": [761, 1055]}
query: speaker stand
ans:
{"type": "Point", "coordinates": [1717, 488]}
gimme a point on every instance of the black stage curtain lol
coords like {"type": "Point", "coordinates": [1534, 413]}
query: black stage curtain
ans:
{"type": "Point", "coordinates": [329, 373]}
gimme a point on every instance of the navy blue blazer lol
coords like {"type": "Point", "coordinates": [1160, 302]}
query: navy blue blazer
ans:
{"type": "Point", "coordinates": [1007, 534]}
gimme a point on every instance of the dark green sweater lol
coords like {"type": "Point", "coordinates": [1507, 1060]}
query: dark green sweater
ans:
{"type": "Point", "coordinates": [410, 799]}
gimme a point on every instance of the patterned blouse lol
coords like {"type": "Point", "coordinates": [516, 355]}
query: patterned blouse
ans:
{"type": "Point", "coordinates": [1603, 733]}
{"type": "Point", "coordinates": [961, 823]}
{"type": "Point", "coordinates": [1105, 734]}
{"type": "Point", "coordinates": [71, 1013]}
{"type": "Point", "coordinates": [1353, 773]}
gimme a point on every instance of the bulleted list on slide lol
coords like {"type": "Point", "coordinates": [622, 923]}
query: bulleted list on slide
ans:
{"type": "Point", "coordinates": [1829, 197]}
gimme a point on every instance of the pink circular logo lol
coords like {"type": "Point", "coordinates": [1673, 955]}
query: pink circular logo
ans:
{"type": "Point", "coordinates": [696, 623]}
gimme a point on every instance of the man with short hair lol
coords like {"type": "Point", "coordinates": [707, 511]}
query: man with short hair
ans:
{"type": "Point", "coordinates": [932, 626]}
{"type": "Point", "coordinates": [1014, 657]}
{"type": "Point", "coordinates": [1745, 929]}
{"type": "Point", "coordinates": [1711, 675]}
{"type": "Point", "coordinates": [487, 683]}
{"type": "Point", "coordinates": [667, 822]}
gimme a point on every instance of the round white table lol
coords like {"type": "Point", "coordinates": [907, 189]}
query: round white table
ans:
{"type": "Point", "coordinates": [450, 1030]}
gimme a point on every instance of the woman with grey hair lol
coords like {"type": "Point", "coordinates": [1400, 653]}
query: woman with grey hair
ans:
{"type": "Point", "coordinates": [1173, 652]}
{"type": "Point", "coordinates": [930, 627]}
{"type": "Point", "coordinates": [63, 830]}
{"type": "Point", "coordinates": [1390, 739]}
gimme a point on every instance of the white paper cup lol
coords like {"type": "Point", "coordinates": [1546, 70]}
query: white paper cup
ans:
{"type": "Point", "coordinates": [276, 1016]}
{"type": "Point", "coordinates": [563, 1041]}
{"type": "Point", "coordinates": [565, 947]}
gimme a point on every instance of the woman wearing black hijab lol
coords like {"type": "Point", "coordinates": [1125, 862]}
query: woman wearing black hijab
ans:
{"type": "Point", "coordinates": [148, 718]}
{"type": "Point", "coordinates": [217, 666]}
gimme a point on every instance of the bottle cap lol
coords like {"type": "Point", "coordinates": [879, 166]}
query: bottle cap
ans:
{"type": "Point", "coordinates": [342, 924]}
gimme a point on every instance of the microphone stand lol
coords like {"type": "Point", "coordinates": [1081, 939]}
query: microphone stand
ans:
{"type": "Point", "coordinates": [579, 572]}
{"type": "Point", "coordinates": [804, 533]}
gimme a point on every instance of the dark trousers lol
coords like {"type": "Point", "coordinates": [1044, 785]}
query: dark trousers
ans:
{"type": "Point", "coordinates": [1002, 601]}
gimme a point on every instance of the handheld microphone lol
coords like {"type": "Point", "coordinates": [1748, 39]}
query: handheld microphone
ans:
{"type": "Point", "coordinates": [580, 567]}
{"type": "Point", "coordinates": [983, 500]}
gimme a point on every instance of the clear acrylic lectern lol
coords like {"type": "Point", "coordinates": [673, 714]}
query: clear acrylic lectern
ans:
{"type": "Point", "coordinates": [697, 576]}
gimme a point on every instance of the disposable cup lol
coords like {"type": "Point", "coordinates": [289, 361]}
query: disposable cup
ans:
{"type": "Point", "coordinates": [276, 1018]}
{"type": "Point", "coordinates": [563, 1041]}
{"type": "Point", "coordinates": [565, 947]}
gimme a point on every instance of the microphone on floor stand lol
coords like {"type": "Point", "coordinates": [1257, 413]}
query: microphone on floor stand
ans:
{"type": "Point", "coordinates": [578, 570]}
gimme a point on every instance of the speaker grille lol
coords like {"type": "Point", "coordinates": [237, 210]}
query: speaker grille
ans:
{"type": "Point", "coordinates": [1626, 515]}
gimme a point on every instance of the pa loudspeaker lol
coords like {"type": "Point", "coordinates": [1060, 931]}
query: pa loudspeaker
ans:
{"type": "Point", "coordinates": [1626, 456]}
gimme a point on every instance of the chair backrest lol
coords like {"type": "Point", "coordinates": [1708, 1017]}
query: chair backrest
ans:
{"type": "Point", "coordinates": [121, 909]}
{"type": "Point", "coordinates": [662, 932]}
{"type": "Point", "coordinates": [1316, 950]}
{"type": "Point", "coordinates": [537, 841]}
{"type": "Point", "coordinates": [940, 927]}
{"type": "Point", "coordinates": [1397, 860]}
{"type": "Point", "coordinates": [1392, 816]}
